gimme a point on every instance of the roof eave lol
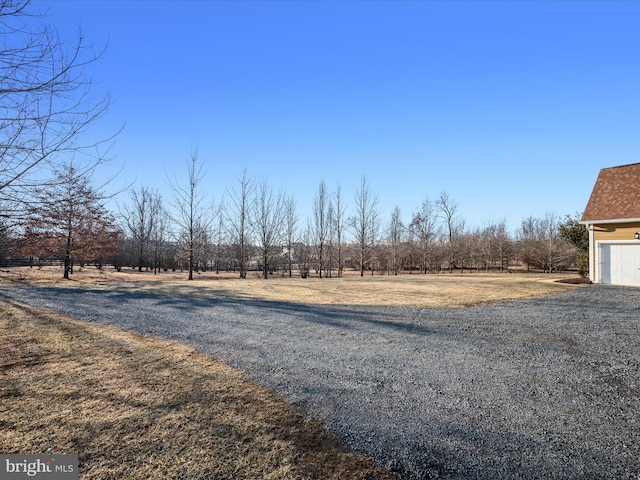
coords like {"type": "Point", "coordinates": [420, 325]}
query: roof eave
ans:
{"type": "Point", "coordinates": [610, 220]}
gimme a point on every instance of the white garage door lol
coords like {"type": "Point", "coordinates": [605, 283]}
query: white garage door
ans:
{"type": "Point", "coordinates": [620, 263]}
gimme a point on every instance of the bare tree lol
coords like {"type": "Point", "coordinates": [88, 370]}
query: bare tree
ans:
{"type": "Point", "coordinates": [555, 253]}
{"type": "Point", "coordinates": [339, 220]}
{"type": "Point", "coordinates": [46, 101]}
{"type": "Point", "coordinates": [238, 223]}
{"type": "Point", "coordinates": [331, 240]}
{"type": "Point", "coordinates": [541, 244]}
{"type": "Point", "coordinates": [159, 232]}
{"type": "Point", "coordinates": [194, 214]}
{"type": "Point", "coordinates": [197, 245]}
{"type": "Point", "coordinates": [486, 239]}
{"type": "Point", "coordinates": [375, 235]}
{"type": "Point", "coordinates": [321, 222]}
{"type": "Point", "coordinates": [304, 254]}
{"type": "Point", "coordinates": [423, 228]}
{"type": "Point", "coordinates": [396, 229]}
{"type": "Point", "coordinates": [461, 247]}
{"type": "Point", "coordinates": [219, 239]}
{"type": "Point", "coordinates": [364, 224]}
{"type": "Point", "coordinates": [448, 208]}
{"type": "Point", "coordinates": [503, 245]}
{"type": "Point", "coordinates": [140, 218]}
{"type": "Point", "coordinates": [527, 241]}
{"type": "Point", "coordinates": [290, 226]}
{"type": "Point", "coordinates": [267, 222]}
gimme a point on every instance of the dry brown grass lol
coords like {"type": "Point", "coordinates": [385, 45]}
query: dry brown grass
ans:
{"type": "Point", "coordinates": [443, 290]}
{"type": "Point", "coordinates": [137, 407]}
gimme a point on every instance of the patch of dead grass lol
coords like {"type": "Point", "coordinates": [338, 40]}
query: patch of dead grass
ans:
{"type": "Point", "coordinates": [442, 290]}
{"type": "Point", "coordinates": [137, 407]}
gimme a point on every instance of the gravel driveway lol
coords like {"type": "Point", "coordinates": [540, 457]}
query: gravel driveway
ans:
{"type": "Point", "coordinates": [543, 388]}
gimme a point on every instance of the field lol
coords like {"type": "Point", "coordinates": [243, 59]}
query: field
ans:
{"type": "Point", "coordinates": [134, 406]}
{"type": "Point", "coordinates": [443, 290]}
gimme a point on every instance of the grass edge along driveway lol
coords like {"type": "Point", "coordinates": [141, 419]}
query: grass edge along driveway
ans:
{"type": "Point", "coordinates": [138, 407]}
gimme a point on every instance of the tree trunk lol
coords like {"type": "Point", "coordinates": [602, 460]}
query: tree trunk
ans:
{"type": "Point", "coordinates": [67, 255]}
{"type": "Point", "coordinates": [265, 266]}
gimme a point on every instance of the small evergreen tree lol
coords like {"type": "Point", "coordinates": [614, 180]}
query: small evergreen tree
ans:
{"type": "Point", "coordinates": [576, 235]}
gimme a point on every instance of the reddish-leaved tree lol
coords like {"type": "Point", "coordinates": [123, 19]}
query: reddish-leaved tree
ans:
{"type": "Point", "coordinates": [70, 221]}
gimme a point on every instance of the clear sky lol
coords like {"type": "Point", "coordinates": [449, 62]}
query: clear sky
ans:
{"type": "Point", "coordinates": [512, 108]}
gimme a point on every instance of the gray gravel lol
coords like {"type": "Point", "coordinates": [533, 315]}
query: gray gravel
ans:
{"type": "Point", "coordinates": [543, 388]}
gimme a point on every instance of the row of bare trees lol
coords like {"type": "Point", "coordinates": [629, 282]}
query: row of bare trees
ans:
{"type": "Point", "coordinates": [255, 227]}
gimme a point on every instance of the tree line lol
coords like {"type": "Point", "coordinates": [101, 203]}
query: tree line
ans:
{"type": "Point", "coordinates": [255, 227]}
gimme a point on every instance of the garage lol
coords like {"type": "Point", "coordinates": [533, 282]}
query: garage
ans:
{"type": "Point", "coordinates": [619, 263]}
{"type": "Point", "coordinates": [612, 219]}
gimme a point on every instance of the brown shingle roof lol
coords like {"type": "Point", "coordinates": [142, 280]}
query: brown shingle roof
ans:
{"type": "Point", "coordinates": [616, 194]}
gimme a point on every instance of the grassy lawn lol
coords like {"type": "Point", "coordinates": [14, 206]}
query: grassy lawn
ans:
{"type": "Point", "coordinates": [137, 407]}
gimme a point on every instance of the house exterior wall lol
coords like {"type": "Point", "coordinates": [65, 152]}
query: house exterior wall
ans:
{"type": "Point", "coordinates": [615, 231]}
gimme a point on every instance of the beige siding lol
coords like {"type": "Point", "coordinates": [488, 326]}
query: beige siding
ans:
{"type": "Point", "coordinates": [615, 231]}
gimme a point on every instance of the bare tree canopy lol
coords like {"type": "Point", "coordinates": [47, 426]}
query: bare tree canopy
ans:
{"type": "Point", "coordinates": [541, 244]}
{"type": "Point", "coordinates": [290, 226]}
{"type": "Point", "coordinates": [396, 229]}
{"type": "Point", "coordinates": [424, 230]}
{"type": "Point", "coordinates": [364, 223]}
{"type": "Point", "coordinates": [144, 219]}
{"type": "Point", "coordinates": [320, 223]}
{"type": "Point", "coordinates": [194, 215]}
{"type": "Point", "coordinates": [267, 218]}
{"type": "Point", "coordinates": [237, 216]}
{"type": "Point", "coordinates": [46, 100]}
{"type": "Point", "coordinates": [447, 208]}
{"type": "Point", "coordinates": [339, 220]}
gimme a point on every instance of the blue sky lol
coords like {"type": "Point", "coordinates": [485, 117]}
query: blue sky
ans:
{"type": "Point", "coordinates": [512, 108]}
